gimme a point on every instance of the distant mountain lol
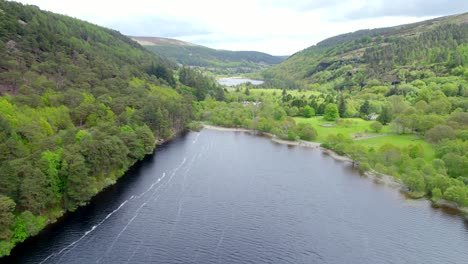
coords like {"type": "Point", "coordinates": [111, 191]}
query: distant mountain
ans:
{"type": "Point", "coordinates": [386, 54]}
{"type": "Point", "coordinates": [217, 61]}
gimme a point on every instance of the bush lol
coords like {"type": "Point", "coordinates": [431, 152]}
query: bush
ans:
{"type": "Point", "coordinates": [195, 126]}
{"type": "Point", "coordinates": [308, 111]}
{"type": "Point", "coordinates": [436, 194]}
{"type": "Point", "coordinates": [331, 112]}
{"type": "Point", "coordinates": [307, 132]}
{"type": "Point", "coordinates": [440, 132]}
{"type": "Point", "coordinates": [457, 194]}
{"type": "Point", "coordinates": [292, 135]}
{"type": "Point", "coordinates": [376, 126]}
{"type": "Point", "coordinates": [364, 166]}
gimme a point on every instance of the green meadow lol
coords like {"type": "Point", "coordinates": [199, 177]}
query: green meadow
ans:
{"type": "Point", "coordinates": [359, 130]}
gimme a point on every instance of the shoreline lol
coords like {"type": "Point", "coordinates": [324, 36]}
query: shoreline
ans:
{"type": "Point", "coordinates": [51, 221]}
{"type": "Point", "coordinates": [378, 177]}
{"type": "Point", "coordinates": [302, 143]}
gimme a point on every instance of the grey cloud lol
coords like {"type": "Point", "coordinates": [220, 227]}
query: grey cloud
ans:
{"type": "Point", "coordinates": [158, 27]}
{"type": "Point", "coordinates": [415, 8]}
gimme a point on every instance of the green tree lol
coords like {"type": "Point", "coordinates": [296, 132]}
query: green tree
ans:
{"type": "Point", "coordinates": [376, 126]}
{"type": "Point", "coordinates": [307, 132]}
{"type": "Point", "coordinates": [385, 116]}
{"type": "Point", "coordinates": [457, 165]}
{"type": "Point", "coordinates": [389, 154]}
{"type": "Point", "coordinates": [79, 186]}
{"type": "Point", "coordinates": [331, 112]}
{"type": "Point", "coordinates": [436, 194]}
{"type": "Point", "coordinates": [365, 108]}
{"type": "Point", "coordinates": [440, 132]}
{"type": "Point", "coordinates": [308, 111]}
{"type": "Point", "coordinates": [357, 152]}
{"type": "Point", "coordinates": [457, 194]}
{"type": "Point", "coordinates": [7, 206]}
{"type": "Point", "coordinates": [35, 191]}
{"type": "Point", "coordinates": [342, 106]}
{"type": "Point", "coordinates": [415, 182]}
{"type": "Point", "coordinates": [416, 151]}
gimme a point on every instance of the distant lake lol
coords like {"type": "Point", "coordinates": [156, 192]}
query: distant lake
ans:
{"type": "Point", "coordinates": [229, 197]}
{"type": "Point", "coordinates": [233, 81]}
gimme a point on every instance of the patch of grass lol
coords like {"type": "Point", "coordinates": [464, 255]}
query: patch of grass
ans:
{"type": "Point", "coordinates": [356, 127]}
{"type": "Point", "coordinates": [347, 126]}
{"type": "Point", "coordinates": [400, 141]}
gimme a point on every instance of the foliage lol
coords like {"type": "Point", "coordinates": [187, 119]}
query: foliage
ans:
{"type": "Point", "coordinates": [308, 111]}
{"type": "Point", "coordinates": [376, 126]}
{"type": "Point", "coordinates": [440, 132]}
{"type": "Point", "coordinates": [331, 112]}
{"type": "Point", "coordinates": [79, 105]}
{"type": "Point", "coordinates": [405, 154]}
{"type": "Point", "coordinates": [7, 206]}
{"type": "Point", "coordinates": [349, 61]}
{"type": "Point", "coordinates": [203, 85]}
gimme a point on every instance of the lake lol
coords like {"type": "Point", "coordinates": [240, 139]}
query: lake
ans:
{"type": "Point", "coordinates": [233, 81]}
{"type": "Point", "coordinates": [231, 197]}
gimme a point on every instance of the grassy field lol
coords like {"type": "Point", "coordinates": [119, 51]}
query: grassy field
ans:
{"type": "Point", "coordinates": [358, 128]}
{"type": "Point", "coordinates": [354, 127]}
{"type": "Point", "coordinates": [400, 141]}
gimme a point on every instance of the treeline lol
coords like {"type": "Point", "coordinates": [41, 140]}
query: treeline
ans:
{"type": "Point", "coordinates": [80, 104]}
{"type": "Point", "coordinates": [265, 115]}
{"type": "Point", "coordinates": [203, 85]}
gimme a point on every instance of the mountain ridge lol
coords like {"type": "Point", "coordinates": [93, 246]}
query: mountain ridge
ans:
{"type": "Point", "coordinates": [217, 61]}
{"type": "Point", "coordinates": [361, 48]}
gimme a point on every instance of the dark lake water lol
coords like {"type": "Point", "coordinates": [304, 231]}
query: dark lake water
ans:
{"type": "Point", "coordinates": [230, 197]}
{"type": "Point", "coordinates": [236, 81]}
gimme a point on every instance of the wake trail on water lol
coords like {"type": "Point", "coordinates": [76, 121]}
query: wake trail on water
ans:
{"type": "Point", "coordinates": [189, 166]}
{"type": "Point", "coordinates": [74, 243]}
{"type": "Point", "coordinates": [152, 185]}
{"type": "Point", "coordinates": [196, 138]}
{"type": "Point", "coordinates": [137, 212]}
{"type": "Point", "coordinates": [169, 181]}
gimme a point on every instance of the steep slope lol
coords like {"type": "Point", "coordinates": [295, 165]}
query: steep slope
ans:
{"type": "Point", "coordinates": [217, 61]}
{"type": "Point", "coordinates": [79, 105]}
{"type": "Point", "coordinates": [438, 45]}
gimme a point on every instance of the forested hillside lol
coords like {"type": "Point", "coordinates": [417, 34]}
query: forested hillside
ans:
{"type": "Point", "coordinates": [215, 61]}
{"type": "Point", "coordinates": [392, 55]}
{"type": "Point", "coordinates": [79, 105]}
{"type": "Point", "coordinates": [395, 100]}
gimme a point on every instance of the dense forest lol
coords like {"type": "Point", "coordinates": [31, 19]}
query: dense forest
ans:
{"type": "Point", "coordinates": [405, 88]}
{"type": "Point", "coordinates": [79, 105]}
{"type": "Point", "coordinates": [224, 62]}
{"type": "Point", "coordinates": [388, 55]}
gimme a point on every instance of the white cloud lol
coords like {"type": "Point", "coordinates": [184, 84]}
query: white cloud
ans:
{"type": "Point", "coordinates": [274, 26]}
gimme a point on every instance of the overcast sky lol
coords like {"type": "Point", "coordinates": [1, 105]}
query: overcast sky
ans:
{"type": "Point", "coordinates": [278, 27]}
